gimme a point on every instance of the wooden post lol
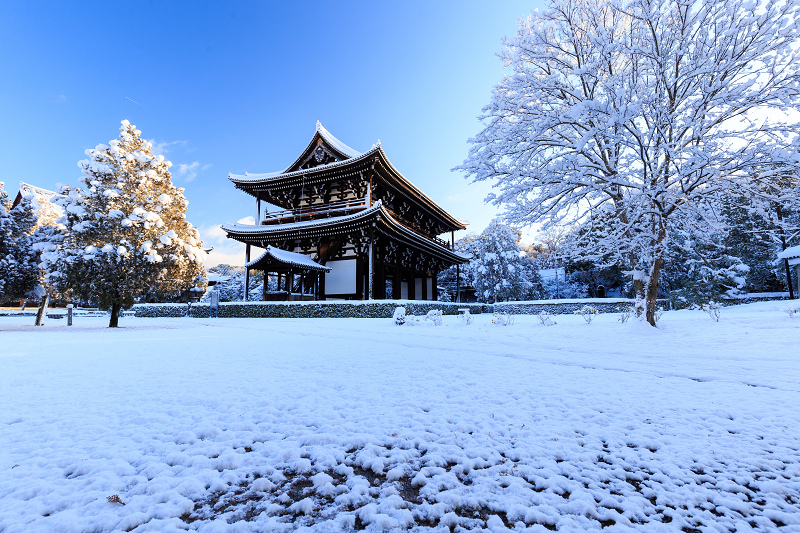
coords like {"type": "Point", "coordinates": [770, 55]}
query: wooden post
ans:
{"type": "Point", "coordinates": [264, 288]}
{"type": "Point", "coordinates": [258, 210]}
{"type": "Point", "coordinates": [397, 286]}
{"type": "Point", "coordinates": [458, 282]}
{"type": "Point", "coordinates": [69, 314]}
{"type": "Point", "coordinates": [371, 259]}
{"type": "Point", "coordinates": [246, 272]}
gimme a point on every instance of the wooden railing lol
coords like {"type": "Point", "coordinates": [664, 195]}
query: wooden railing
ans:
{"type": "Point", "coordinates": [311, 212]}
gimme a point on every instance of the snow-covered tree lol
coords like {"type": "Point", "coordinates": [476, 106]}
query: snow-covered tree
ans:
{"type": "Point", "coordinates": [18, 260]}
{"type": "Point", "coordinates": [499, 267]}
{"type": "Point", "coordinates": [646, 109]}
{"type": "Point", "coordinates": [125, 236]}
{"type": "Point", "coordinates": [698, 270]}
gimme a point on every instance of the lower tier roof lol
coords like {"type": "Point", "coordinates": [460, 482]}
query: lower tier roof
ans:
{"type": "Point", "coordinates": [376, 216]}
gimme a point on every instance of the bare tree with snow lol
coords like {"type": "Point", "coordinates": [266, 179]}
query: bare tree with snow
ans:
{"type": "Point", "coordinates": [644, 111]}
{"type": "Point", "coordinates": [125, 236]}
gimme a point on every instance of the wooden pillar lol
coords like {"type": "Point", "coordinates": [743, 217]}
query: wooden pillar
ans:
{"type": "Point", "coordinates": [424, 286]}
{"type": "Point", "coordinates": [360, 293]}
{"type": "Point", "coordinates": [246, 272]}
{"type": "Point", "coordinates": [371, 256]}
{"type": "Point", "coordinates": [264, 288]}
{"type": "Point", "coordinates": [321, 287]}
{"type": "Point", "coordinates": [379, 287]}
{"type": "Point", "coordinates": [398, 279]}
{"type": "Point", "coordinates": [412, 284]}
{"type": "Point", "coordinates": [458, 282]}
{"type": "Point", "coordinates": [258, 209]}
{"type": "Point", "coordinates": [434, 285]}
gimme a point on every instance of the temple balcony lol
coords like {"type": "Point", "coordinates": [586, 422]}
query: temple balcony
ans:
{"type": "Point", "coordinates": [316, 211]}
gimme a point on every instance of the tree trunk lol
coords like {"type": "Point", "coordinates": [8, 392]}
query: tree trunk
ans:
{"type": "Point", "coordinates": [652, 293]}
{"type": "Point", "coordinates": [42, 313]}
{"type": "Point", "coordinates": [115, 309]}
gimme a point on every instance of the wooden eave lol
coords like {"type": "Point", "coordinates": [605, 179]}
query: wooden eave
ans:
{"type": "Point", "coordinates": [377, 216]}
{"type": "Point", "coordinates": [375, 160]}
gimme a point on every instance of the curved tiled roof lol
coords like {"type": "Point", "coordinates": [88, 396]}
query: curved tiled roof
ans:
{"type": "Point", "coordinates": [289, 258]}
{"type": "Point", "coordinates": [250, 232]}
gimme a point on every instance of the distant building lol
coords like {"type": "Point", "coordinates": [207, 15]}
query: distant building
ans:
{"type": "Point", "coordinates": [46, 211]}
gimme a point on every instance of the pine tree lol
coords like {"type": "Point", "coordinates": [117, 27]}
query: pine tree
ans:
{"type": "Point", "coordinates": [18, 268]}
{"type": "Point", "coordinates": [500, 269]}
{"type": "Point", "coordinates": [126, 236]}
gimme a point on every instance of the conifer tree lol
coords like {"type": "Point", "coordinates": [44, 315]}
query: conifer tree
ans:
{"type": "Point", "coordinates": [125, 236]}
{"type": "Point", "coordinates": [500, 269]}
{"type": "Point", "coordinates": [18, 269]}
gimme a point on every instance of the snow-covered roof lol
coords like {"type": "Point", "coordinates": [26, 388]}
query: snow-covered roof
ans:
{"type": "Point", "coordinates": [377, 207]}
{"type": "Point", "coordinates": [336, 143]}
{"type": "Point", "coordinates": [268, 175]}
{"type": "Point", "coordinates": [31, 190]}
{"type": "Point", "coordinates": [289, 258]}
{"type": "Point", "coordinates": [258, 228]}
{"type": "Point", "coordinates": [792, 253]}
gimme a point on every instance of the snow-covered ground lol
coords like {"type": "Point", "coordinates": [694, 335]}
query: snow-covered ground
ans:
{"type": "Point", "coordinates": [340, 424]}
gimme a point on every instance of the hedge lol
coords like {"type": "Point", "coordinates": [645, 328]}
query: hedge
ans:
{"type": "Point", "coordinates": [567, 307]}
{"type": "Point", "coordinates": [381, 309]}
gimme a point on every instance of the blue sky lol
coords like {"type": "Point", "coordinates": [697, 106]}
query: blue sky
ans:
{"type": "Point", "coordinates": [238, 86]}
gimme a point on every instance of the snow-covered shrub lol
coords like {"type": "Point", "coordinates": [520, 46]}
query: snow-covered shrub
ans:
{"type": "Point", "coordinates": [399, 316]}
{"type": "Point", "coordinates": [625, 314]}
{"type": "Point", "coordinates": [545, 319]}
{"type": "Point", "coordinates": [791, 309]}
{"type": "Point", "coordinates": [588, 312]}
{"type": "Point", "coordinates": [435, 316]}
{"type": "Point", "coordinates": [712, 308]}
{"type": "Point", "coordinates": [413, 320]}
{"type": "Point", "coordinates": [502, 319]}
{"type": "Point", "coordinates": [465, 317]}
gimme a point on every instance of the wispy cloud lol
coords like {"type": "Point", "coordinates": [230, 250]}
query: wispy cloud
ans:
{"type": "Point", "coordinates": [225, 250]}
{"type": "Point", "coordinates": [163, 148]}
{"type": "Point", "coordinates": [190, 171]}
{"type": "Point", "coordinates": [61, 98]}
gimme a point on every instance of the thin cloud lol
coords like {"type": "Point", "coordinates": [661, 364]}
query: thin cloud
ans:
{"type": "Point", "coordinates": [225, 250]}
{"type": "Point", "coordinates": [190, 171]}
{"type": "Point", "coordinates": [163, 148]}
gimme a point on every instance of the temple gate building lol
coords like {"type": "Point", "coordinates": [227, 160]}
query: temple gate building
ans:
{"type": "Point", "coordinates": [350, 227]}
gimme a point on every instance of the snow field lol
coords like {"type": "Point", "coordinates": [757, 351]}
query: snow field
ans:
{"type": "Point", "coordinates": [342, 424]}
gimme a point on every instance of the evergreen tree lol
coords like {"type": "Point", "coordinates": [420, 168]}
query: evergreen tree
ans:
{"type": "Point", "coordinates": [18, 268]}
{"type": "Point", "coordinates": [499, 267]}
{"type": "Point", "coordinates": [126, 236]}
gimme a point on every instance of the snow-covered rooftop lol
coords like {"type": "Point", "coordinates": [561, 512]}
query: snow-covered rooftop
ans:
{"type": "Point", "coordinates": [290, 258]}
{"type": "Point", "coordinates": [256, 228]}
{"type": "Point", "coordinates": [247, 176]}
{"type": "Point", "coordinates": [791, 252]}
{"type": "Point", "coordinates": [336, 143]}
